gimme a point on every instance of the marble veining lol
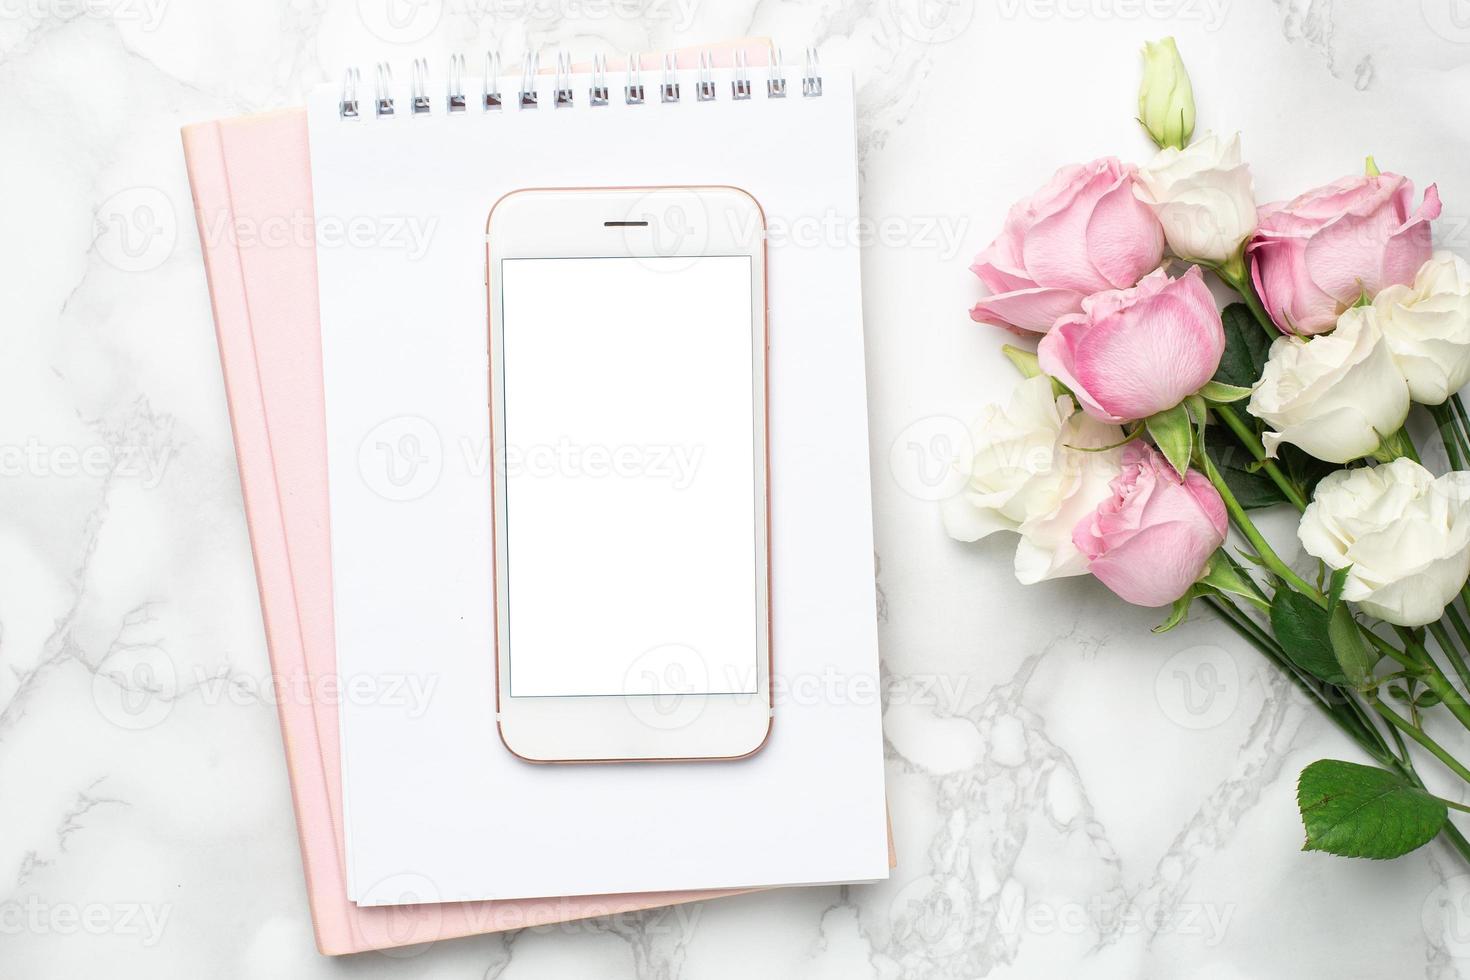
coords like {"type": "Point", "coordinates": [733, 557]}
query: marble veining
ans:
{"type": "Point", "coordinates": [1070, 795]}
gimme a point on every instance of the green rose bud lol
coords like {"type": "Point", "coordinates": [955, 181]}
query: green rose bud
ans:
{"type": "Point", "coordinates": [1165, 99]}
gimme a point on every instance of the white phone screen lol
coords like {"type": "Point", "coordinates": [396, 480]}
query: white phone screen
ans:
{"type": "Point", "coordinates": [630, 459]}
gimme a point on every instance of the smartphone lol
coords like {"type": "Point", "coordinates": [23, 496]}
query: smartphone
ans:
{"type": "Point", "coordinates": [630, 473]}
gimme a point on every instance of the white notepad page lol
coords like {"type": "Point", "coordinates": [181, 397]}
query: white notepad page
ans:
{"type": "Point", "coordinates": [436, 808]}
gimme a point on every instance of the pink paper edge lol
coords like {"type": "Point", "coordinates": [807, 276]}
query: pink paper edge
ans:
{"type": "Point", "coordinates": [264, 300]}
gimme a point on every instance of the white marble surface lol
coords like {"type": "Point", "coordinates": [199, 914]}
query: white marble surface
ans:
{"type": "Point", "coordinates": [1070, 795]}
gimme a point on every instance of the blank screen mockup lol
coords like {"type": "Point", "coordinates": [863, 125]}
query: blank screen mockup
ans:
{"type": "Point", "coordinates": [630, 459]}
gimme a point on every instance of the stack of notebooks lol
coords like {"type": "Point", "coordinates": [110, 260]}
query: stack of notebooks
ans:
{"type": "Point", "coordinates": [354, 360]}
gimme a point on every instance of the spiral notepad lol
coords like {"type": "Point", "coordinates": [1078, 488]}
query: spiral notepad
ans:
{"type": "Point", "coordinates": [405, 167]}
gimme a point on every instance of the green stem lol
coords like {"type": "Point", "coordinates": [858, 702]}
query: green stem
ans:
{"type": "Point", "coordinates": [1252, 443]}
{"type": "Point", "coordinates": [1366, 736]}
{"type": "Point", "coordinates": [1434, 748]}
{"type": "Point", "coordinates": [1258, 542]}
{"type": "Point", "coordinates": [1462, 630]}
{"type": "Point", "coordinates": [1237, 277]}
{"type": "Point", "coordinates": [1450, 436]}
{"type": "Point", "coordinates": [1436, 681]}
{"type": "Point", "coordinates": [1451, 652]}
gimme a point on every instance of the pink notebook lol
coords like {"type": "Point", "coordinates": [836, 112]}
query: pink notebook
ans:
{"type": "Point", "coordinates": [254, 173]}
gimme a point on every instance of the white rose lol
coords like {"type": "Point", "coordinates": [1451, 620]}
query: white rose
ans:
{"type": "Point", "coordinates": [1203, 197]}
{"type": "Point", "coordinates": [1427, 326]}
{"type": "Point", "coordinates": [1022, 477]}
{"type": "Point", "coordinates": [1405, 534]}
{"type": "Point", "coordinates": [1335, 395]}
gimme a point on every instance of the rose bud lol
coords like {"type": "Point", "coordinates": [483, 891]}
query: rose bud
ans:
{"type": "Point", "coordinates": [1165, 99]}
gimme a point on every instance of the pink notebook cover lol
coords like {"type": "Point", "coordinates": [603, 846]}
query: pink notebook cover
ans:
{"type": "Point", "coordinates": [254, 172]}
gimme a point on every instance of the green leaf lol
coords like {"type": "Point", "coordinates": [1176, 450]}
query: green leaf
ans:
{"type": "Point", "coordinates": [1359, 811]}
{"type": "Point", "coordinates": [1179, 610]}
{"type": "Point", "coordinates": [1252, 488]}
{"type": "Point", "coordinates": [1356, 658]}
{"type": "Point", "coordinates": [1335, 586]}
{"type": "Point", "coordinates": [1223, 394]}
{"type": "Point", "coordinates": [1303, 470]}
{"type": "Point", "coordinates": [1426, 699]}
{"type": "Point", "coordinates": [1173, 435]}
{"type": "Point", "coordinates": [1300, 626]}
{"type": "Point", "coordinates": [1399, 693]}
{"type": "Point", "coordinates": [1246, 345]}
{"type": "Point", "coordinates": [1224, 577]}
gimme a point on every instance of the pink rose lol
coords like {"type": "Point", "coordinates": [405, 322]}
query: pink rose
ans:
{"type": "Point", "coordinates": [1133, 352]}
{"type": "Point", "coordinates": [1313, 256]}
{"type": "Point", "coordinates": [1150, 541]}
{"type": "Point", "coordinates": [1083, 232]}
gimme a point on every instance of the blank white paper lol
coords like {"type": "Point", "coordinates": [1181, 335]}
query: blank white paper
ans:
{"type": "Point", "coordinates": [436, 807]}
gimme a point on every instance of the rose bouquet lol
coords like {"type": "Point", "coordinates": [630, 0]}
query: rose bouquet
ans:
{"type": "Point", "coordinates": [1149, 425]}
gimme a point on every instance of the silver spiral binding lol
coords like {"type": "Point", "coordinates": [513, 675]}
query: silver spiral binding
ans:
{"type": "Point", "coordinates": [456, 100]}
{"type": "Point", "coordinates": [383, 95]}
{"type": "Point", "coordinates": [811, 75]}
{"type": "Point", "coordinates": [668, 89]}
{"type": "Point", "coordinates": [563, 97]}
{"type": "Point", "coordinates": [418, 88]}
{"type": "Point", "coordinates": [527, 97]}
{"type": "Point", "coordinates": [775, 76]}
{"type": "Point", "coordinates": [633, 89]}
{"type": "Point", "coordinates": [491, 99]}
{"type": "Point", "coordinates": [740, 84]}
{"type": "Point", "coordinates": [454, 87]}
{"type": "Point", "coordinates": [597, 92]}
{"type": "Point", "coordinates": [348, 105]}
{"type": "Point", "coordinates": [705, 90]}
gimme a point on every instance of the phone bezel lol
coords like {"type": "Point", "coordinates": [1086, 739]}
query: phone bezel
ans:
{"type": "Point", "coordinates": [595, 222]}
